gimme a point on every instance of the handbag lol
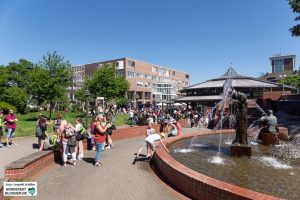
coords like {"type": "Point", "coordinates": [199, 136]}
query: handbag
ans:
{"type": "Point", "coordinates": [38, 131]}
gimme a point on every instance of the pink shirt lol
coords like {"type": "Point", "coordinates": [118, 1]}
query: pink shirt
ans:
{"type": "Point", "coordinates": [8, 123]}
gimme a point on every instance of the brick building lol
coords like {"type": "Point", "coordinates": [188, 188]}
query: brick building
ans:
{"type": "Point", "coordinates": [149, 83]}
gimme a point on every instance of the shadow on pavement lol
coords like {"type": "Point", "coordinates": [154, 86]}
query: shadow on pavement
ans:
{"type": "Point", "coordinates": [144, 158]}
{"type": "Point", "coordinates": [89, 160]}
{"type": "Point", "coordinates": [35, 146]}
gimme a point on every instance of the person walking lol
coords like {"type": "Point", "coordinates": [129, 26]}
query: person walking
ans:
{"type": "Point", "coordinates": [11, 124]}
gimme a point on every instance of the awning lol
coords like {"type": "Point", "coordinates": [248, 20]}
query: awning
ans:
{"type": "Point", "coordinates": [198, 98]}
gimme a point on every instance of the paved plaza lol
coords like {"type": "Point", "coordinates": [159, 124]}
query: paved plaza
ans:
{"type": "Point", "coordinates": [118, 178]}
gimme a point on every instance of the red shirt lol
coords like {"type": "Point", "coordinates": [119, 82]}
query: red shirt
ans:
{"type": "Point", "coordinates": [8, 123]}
{"type": "Point", "coordinates": [99, 138]}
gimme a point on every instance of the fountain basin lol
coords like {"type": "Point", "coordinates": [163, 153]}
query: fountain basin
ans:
{"type": "Point", "coordinates": [198, 185]}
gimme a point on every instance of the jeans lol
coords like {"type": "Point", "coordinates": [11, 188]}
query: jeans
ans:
{"type": "Point", "coordinates": [99, 151]}
{"type": "Point", "coordinates": [67, 149]}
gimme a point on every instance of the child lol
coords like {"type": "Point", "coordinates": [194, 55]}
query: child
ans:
{"type": "Point", "coordinates": [80, 132]}
{"type": "Point", "coordinates": [150, 140]}
{"type": "Point", "coordinates": [150, 129]}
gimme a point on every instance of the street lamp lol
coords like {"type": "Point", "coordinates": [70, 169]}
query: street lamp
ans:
{"type": "Point", "coordinates": [137, 97]}
{"type": "Point", "coordinates": [282, 77]}
{"type": "Point", "coordinates": [86, 94]}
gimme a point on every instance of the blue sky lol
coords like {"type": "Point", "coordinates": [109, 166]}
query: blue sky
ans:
{"type": "Point", "coordinates": [201, 37]}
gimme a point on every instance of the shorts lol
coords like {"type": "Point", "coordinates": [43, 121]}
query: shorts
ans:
{"type": "Point", "coordinates": [146, 143]}
{"type": "Point", "coordinates": [10, 133]}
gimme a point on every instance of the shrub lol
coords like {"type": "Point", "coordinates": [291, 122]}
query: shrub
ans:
{"type": "Point", "coordinates": [6, 107]}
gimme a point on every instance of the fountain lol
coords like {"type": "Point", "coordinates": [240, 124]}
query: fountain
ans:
{"type": "Point", "coordinates": [271, 168]}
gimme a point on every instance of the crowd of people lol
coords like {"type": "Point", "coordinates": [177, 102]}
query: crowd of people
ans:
{"type": "Point", "coordinates": [69, 136]}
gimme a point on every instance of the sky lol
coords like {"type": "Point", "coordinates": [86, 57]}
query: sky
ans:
{"type": "Point", "coordinates": [200, 37]}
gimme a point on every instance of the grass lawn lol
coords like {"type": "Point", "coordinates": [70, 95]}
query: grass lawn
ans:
{"type": "Point", "coordinates": [26, 123]}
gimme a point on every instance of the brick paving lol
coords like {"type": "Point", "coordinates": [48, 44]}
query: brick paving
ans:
{"type": "Point", "coordinates": [118, 178]}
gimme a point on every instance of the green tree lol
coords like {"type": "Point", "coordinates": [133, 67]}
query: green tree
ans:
{"type": "Point", "coordinates": [3, 78]}
{"type": "Point", "coordinates": [18, 73]}
{"type": "Point", "coordinates": [17, 97]}
{"type": "Point", "coordinates": [38, 82]}
{"type": "Point", "coordinates": [105, 83]}
{"type": "Point", "coordinates": [295, 6]}
{"type": "Point", "coordinates": [292, 80]}
{"type": "Point", "coordinates": [52, 76]}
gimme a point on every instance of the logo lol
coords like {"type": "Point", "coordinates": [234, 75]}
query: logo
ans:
{"type": "Point", "coordinates": [31, 191]}
{"type": "Point", "coordinates": [20, 189]}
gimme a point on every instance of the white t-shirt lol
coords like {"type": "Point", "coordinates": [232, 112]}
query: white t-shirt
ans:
{"type": "Point", "coordinates": [150, 120]}
{"type": "Point", "coordinates": [152, 138]}
{"type": "Point", "coordinates": [150, 131]}
{"type": "Point", "coordinates": [131, 114]}
{"type": "Point", "coordinates": [78, 127]}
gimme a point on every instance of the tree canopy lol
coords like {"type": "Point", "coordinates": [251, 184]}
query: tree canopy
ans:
{"type": "Point", "coordinates": [295, 6]}
{"type": "Point", "coordinates": [23, 82]}
{"type": "Point", "coordinates": [105, 83]}
{"type": "Point", "coordinates": [292, 80]}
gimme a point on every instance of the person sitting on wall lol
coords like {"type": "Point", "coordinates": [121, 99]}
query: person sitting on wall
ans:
{"type": "Point", "coordinates": [268, 124]}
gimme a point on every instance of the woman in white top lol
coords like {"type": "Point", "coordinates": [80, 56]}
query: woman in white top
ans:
{"type": "Point", "coordinates": [78, 129]}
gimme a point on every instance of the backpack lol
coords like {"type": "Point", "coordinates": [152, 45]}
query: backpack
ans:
{"type": "Point", "coordinates": [81, 134]}
{"type": "Point", "coordinates": [69, 132]}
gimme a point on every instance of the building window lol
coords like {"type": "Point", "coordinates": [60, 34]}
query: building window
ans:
{"type": "Point", "coordinates": [120, 73]}
{"type": "Point", "coordinates": [154, 69]}
{"type": "Point", "coordinates": [154, 78]}
{"type": "Point", "coordinates": [139, 75]}
{"type": "Point", "coordinates": [148, 76]}
{"type": "Point", "coordinates": [130, 74]}
{"type": "Point", "coordinates": [147, 85]}
{"type": "Point", "coordinates": [173, 73]}
{"type": "Point", "coordinates": [131, 64]}
{"type": "Point", "coordinates": [139, 84]}
{"type": "Point", "coordinates": [162, 72]}
{"type": "Point", "coordinates": [278, 65]}
{"type": "Point", "coordinates": [187, 76]}
{"type": "Point", "coordinates": [120, 64]}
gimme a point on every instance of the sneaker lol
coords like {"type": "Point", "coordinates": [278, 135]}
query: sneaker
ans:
{"type": "Point", "coordinates": [108, 147]}
{"type": "Point", "coordinates": [74, 163]}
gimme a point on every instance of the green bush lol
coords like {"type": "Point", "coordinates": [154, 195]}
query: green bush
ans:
{"type": "Point", "coordinates": [6, 107]}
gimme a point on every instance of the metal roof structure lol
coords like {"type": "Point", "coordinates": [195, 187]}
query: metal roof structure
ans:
{"type": "Point", "coordinates": [238, 81]}
{"type": "Point", "coordinates": [198, 98]}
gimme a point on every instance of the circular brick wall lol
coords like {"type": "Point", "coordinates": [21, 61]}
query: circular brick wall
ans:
{"type": "Point", "coordinates": [194, 184]}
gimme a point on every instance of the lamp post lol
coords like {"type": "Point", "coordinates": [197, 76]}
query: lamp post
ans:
{"type": "Point", "coordinates": [282, 77]}
{"type": "Point", "coordinates": [86, 94]}
{"type": "Point", "coordinates": [137, 97]}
